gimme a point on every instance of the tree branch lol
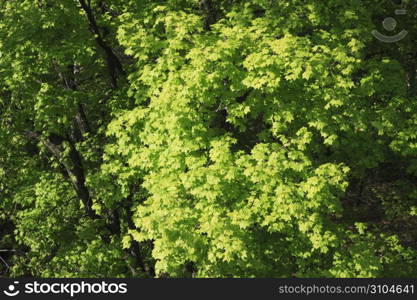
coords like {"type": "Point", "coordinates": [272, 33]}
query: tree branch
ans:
{"type": "Point", "coordinates": [208, 9]}
{"type": "Point", "coordinates": [113, 63]}
{"type": "Point", "coordinates": [135, 246]}
{"type": "Point", "coordinates": [72, 165]}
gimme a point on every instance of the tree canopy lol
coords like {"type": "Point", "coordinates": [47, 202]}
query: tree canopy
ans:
{"type": "Point", "coordinates": [225, 138]}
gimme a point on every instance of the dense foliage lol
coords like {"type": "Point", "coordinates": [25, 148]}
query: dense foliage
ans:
{"type": "Point", "coordinates": [226, 138]}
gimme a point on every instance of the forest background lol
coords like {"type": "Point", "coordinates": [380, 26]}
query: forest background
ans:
{"type": "Point", "coordinates": [226, 138]}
